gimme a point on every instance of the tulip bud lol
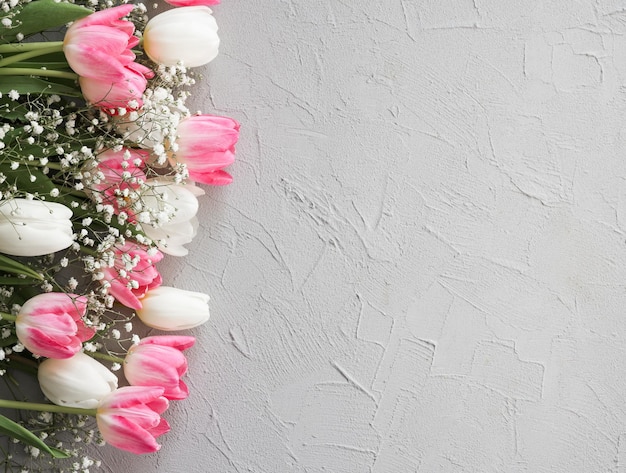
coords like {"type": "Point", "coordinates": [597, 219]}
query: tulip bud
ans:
{"type": "Point", "coordinates": [206, 144]}
{"type": "Point", "coordinates": [79, 381]}
{"type": "Point", "coordinates": [34, 227]}
{"type": "Point", "coordinates": [51, 324]}
{"type": "Point", "coordinates": [99, 48]}
{"type": "Point", "coordinates": [176, 206]}
{"type": "Point", "coordinates": [159, 361]}
{"type": "Point", "coordinates": [168, 308]}
{"type": "Point", "coordinates": [130, 418]}
{"type": "Point", "coordinates": [186, 35]}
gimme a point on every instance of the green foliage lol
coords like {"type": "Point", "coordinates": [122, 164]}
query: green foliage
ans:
{"type": "Point", "coordinates": [39, 16]}
{"type": "Point", "coordinates": [16, 431]}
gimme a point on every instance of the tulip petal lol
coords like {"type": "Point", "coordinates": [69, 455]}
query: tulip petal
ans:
{"type": "Point", "coordinates": [180, 342]}
{"type": "Point", "coordinates": [130, 395]}
{"type": "Point", "coordinates": [34, 228]}
{"type": "Point", "coordinates": [214, 178]}
{"type": "Point", "coordinates": [186, 35]}
{"type": "Point", "coordinates": [109, 16]}
{"type": "Point", "coordinates": [159, 361]}
{"type": "Point", "coordinates": [120, 432]}
{"type": "Point", "coordinates": [40, 343]}
{"type": "Point", "coordinates": [79, 381]}
{"type": "Point", "coordinates": [160, 429]}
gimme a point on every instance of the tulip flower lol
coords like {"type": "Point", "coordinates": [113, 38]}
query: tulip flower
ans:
{"type": "Point", "coordinates": [186, 35]}
{"type": "Point", "coordinates": [79, 381]}
{"type": "Point", "coordinates": [99, 49]}
{"type": "Point", "coordinates": [159, 361]}
{"type": "Point", "coordinates": [175, 206]}
{"type": "Point", "coordinates": [120, 173]}
{"type": "Point", "coordinates": [51, 325]}
{"type": "Point", "coordinates": [133, 273]}
{"type": "Point", "coordinates": [129, 418]}
{"type": "Point", "coordinates": [206, 143]}
{"type": "Point", "coordinates": [171, 238]}
{"type": "Point", "coordinates": [34, 227]}
{"type": "Point", "coordinates": [168, 308]}
{"type": "Point", "coordinates": [125, 91]}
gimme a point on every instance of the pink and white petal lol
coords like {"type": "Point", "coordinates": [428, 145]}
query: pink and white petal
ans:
{"type": "Point", "coordinates": [109, 16]}
{"type": "Point", "coordinates": [215, 178]}
{"type": "Point", "coordinates": [180, 342]}
{"type": "Point", "coordinates": [39, 343]}
{"type": "Point", "coordinates": [124, 434]}
{"type": "Point", "coordinates": [130, 396]}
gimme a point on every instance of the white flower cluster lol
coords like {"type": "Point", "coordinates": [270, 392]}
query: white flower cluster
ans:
{"type": "Point", "coordinates": [154, 127]}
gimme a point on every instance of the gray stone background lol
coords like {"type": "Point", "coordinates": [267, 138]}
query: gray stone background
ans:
{"type": "Point", "coordinates": [420, 265]}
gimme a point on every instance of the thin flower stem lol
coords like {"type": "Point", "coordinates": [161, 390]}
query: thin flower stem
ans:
{"type": "Point", "coordinates": [34, 406]}
{"type": "Point", "coordinates": [21, 47]}
{"type": "Point", "coordinates": [55, 166]}
{"type": "Point", "coordinates": [106, 357]}
{"type": "Point", "coordinates": [70, 191]}
{"type": "Point", "coordinates": [25, 71]}
{"type": "Point", "coordinates": [27, 55]}
{"type": "Point", "coordinates": [23, 364]}
{"type": "Point", "coordinates": [5, 316]}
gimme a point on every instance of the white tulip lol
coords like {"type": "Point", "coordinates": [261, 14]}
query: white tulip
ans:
{"type": "Point", "coordinates": [173, 207]}
{"type": "Point", "coordinates": [79, 381]}
{"type": "Point", "coordinates": [34, 227]}
{"type": "Point", "coordinates": [186, 35]}
{"type": "Point", "coordinates": [171, 237]}
{"type": "Point", "coordinates": [168, 308]}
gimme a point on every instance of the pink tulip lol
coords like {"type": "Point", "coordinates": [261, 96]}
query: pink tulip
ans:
{"type": "Point", "coordinates": [124, 92]}
{"type": "Point", "coordinates": [192, 3]}
{"type": "Point", "coordinates": [129, 418]}
{"type": "Point", "coordinates": [133, 273]}
{"type": "Point", "coordinates": [159, 361]}
{"type": "Point", "coordinates": [51, 325]}
{"type": "Point", "coordinates": [206, 143]}
{"type": "Point", "coordinates": [99, 49]}
{"type": "Point", "coordinates": [122, 171]}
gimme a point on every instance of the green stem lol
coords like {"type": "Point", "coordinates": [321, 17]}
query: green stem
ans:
{"type": "Point", "coordinates": [56, 166]}
{"type": "Point", "coordinates": [25, 71]}
{"type": "Point", "coordinates": [23, 364]}
{"type": "Point", "coordinates": [106, 357]}
{"type": "Point", "coordinates": [5, 316]}
{"type": "Point", "coordinates": [28, 54]}
{"type": "Point", "coordinates": [20, 47]}
{"type": "Point", "coordinates": [33, 406]}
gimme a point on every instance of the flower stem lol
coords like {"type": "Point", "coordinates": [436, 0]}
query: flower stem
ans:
{"type": "Point", "coordinates": [23, 364]}
{"type": "Point", "coordinates": [26, 71]}
{"type": "Point", "coordinates": [5, 316]}
{"type": "Point", "coordinates": [106, 357]}
{"type": "Point", "coordinates": [33, 406]}
{"type": "Point", "coordinates": [20, 47]}
{"type": "Point", "coordinates": [27, 55]}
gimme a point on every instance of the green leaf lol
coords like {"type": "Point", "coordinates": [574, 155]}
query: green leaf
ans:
{"type": "Point", "coordinates": [16, 431]}
{"type": "Point", "coordinates": [38, 85]}
{"type": "Point", "coordinates": [9, 265]}
{"type": "Point", "coordinates": [6, 281]}
{"type": "Point", "coordinates": [42, 15]}
{"type": "Point", "coordinates": [22, 179]}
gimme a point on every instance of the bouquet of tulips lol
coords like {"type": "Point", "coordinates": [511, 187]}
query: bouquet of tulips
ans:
{"type": "Point", "coordinates": [99, 164]}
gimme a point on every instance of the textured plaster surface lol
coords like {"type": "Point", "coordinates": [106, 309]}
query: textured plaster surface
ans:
{"type": "Point", "coordinates": [421, 264]}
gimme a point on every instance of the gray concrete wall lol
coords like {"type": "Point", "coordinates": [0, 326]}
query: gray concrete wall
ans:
{"type": "Point", "coordinates": [421, 264]}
